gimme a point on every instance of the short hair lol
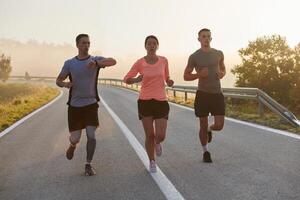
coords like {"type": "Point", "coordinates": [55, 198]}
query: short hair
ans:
{"type": "Point", "coordinates": [81, 36]}
{"type": "Point", "coordinates": [149, 37]}
{"type": "Point", "coordinates": [203, 30]}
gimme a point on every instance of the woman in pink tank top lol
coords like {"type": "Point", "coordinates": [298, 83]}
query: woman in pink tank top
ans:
{"type": "Point", "coordinates": [153, 107]}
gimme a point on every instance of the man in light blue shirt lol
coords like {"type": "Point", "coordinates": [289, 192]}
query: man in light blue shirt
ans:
{"type": "Point", "coordinates": [83, 71]}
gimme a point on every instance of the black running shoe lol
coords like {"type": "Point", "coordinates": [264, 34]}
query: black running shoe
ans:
{"type": "Point", "coordinates": [206, 157]}
{"type": "Point", "coordinates": [209, 136]}
{"type": "Point", "coordinates": [70, 152]}
{"type": "Point", "coordinates": [89, 170]}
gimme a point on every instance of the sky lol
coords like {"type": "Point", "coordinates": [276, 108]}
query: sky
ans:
{"type": "Point", "coordinates": [117, 28]}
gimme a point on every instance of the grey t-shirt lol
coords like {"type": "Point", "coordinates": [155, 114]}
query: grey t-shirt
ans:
{"type": "Point", "coordinates": [84, 90]}
{"type": "Point", "coordinates": [211, 60]}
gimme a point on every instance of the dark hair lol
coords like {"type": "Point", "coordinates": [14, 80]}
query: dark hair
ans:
{"type": "Point", "coordinates": [151, 36]}
{"type": "Point", "coordinates": [81, 36]}
{"type": "Point", "coordinates": [203, 30]}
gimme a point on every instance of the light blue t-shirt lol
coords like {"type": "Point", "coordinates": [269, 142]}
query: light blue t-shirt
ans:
{"type": "Point", "coordinates": [84, 90]}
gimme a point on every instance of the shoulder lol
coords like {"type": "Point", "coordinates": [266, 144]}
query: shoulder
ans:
{"type": "Point", "coordinates": [219, 52]}
{"type": "Point", "coordinates": [162, 58]}
{"type": "Point", "coordinates": [97, 57]}
{"type": "Point", "coordinates": [195, 53]}
{"type": "Point", "coordinates": [69, 61]}
{"type": "Point", "coordinates": [139, 62]}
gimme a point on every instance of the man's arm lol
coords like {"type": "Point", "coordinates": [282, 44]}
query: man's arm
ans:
{"type": "Point", "coordinates": [188, 75]}
{"type": "Point", "coordinates": [61, 83]}
{"type": "Point", "coordinates": [102, 63]}
{"type": "Point", "coordinates": [222, 68]}
{"type": "Point", "coordinates": [107, 62]}
{"type": "Point", "coordinates": [62, 76]}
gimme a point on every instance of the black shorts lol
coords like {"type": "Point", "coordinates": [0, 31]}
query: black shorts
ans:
{"type": "Point", "coordinates": [153, 108]}
{"type": "Point", "coordinates": [206, 103]}
{"type": "Point", "coordinates": [81, 117]}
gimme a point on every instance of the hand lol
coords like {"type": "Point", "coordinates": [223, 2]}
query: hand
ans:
{"type": "Point", "coordinates": [170, 82]}
{"type": "Point", "coordinates": [138, 79]}
{"type": "Point", "coordinates": [68, 84]}
{"type": "Point", "coordinates": [92, 64]}
{"type": "Point", "coordinates": [220, 74]}
{"type": "Point", "coordinates": [203, 73]}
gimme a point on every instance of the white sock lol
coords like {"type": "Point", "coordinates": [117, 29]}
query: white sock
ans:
{"type": "Point", "coordinates": [205, 148]}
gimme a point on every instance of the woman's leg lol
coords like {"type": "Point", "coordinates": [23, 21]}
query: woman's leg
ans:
{"type": "Point", "coordinates": [160, 130]}
{"type": "Point", "coordinates": [150, 136]}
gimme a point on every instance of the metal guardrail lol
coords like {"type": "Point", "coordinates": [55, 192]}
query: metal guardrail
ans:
{"type": "Point", "coordinates": [238, 93]}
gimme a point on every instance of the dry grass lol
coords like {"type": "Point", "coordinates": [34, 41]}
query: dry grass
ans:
{"type": "Point", "coordinates": [19, 99]}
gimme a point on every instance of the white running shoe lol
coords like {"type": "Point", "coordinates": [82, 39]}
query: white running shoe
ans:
{"type": "Point", "coordinates": [152, 166]}
{"type": "Point", "coordinates": [158, 149]}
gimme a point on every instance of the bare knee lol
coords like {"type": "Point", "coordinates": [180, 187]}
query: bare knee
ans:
{"type": "Point", "coordinates": [150, 136]}
{"type": "Point", "coordinates": [160, 137]}
{"type": "Point", "coordinates": [75, 137]}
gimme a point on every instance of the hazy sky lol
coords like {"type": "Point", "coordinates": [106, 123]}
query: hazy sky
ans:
{"type": "Point", "coordinates": [118, 28]}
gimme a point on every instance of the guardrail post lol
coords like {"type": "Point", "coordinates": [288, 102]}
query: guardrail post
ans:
{"type": "Point", "coordinates": [260, 108]}
{"type": "Point", "coordinates": [174, 94]}
{"type": "Point", "coordinates": [185, 96]}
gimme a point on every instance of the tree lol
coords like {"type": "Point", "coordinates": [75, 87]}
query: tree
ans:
{"type": "Point", "coordinates": [295, 92]}
{"type": "Point", "coordinates": [5, 67]}
{"type": "Point", "coordinates": [268, 63]}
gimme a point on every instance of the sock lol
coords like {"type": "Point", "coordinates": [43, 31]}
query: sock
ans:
{"type": "Point", "coordinates": [208, 129]}
{"type": "Point", "coordinates": [205, 148]}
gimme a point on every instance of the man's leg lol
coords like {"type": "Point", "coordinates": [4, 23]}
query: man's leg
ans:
{"type": "Point", "coordinates": [218, 123]}
{"type": "Point", "coordinates": [203, 132]}
{"type": "Point", "coordinates": [74, 139]}
{"type": "Point", "coordinates": [91, 143]}
{"type": "Point", "coordinates": [217, 105]}
{"type": "Point", "coordinates": [90, 150]}
{"type": "Point", "coordinates": [203, 139]}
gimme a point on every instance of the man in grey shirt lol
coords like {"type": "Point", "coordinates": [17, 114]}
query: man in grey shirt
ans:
{"type": "Point", "coordinates": [83, 71]}
{"type": "Point", "coordinates": [209, 66]}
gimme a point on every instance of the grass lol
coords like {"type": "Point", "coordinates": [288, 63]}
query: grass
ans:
{"type": "Point", "coordinates": [19, 99]}
{"type": "Point", "coordinates": [243, 110]}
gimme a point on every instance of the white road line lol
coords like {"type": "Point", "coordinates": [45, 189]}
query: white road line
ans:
{"type": "Point", "coordinates": [167, 188]}
{"type": "Point", "coordinates": [265, 128]}
{"type": "Point", "coordinates": [10, 128]}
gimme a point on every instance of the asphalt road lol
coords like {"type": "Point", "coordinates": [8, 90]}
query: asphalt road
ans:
{"type": "Point", "coordinates": [249, 163]}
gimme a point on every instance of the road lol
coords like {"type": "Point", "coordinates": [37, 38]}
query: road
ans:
{"type": "Point", "coordinates": [249, 163]}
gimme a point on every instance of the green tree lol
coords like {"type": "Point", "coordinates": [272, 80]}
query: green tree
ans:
{"type": "Point", "coordinates": [5, 67]}
{"type": "Point", "coordinates": [268, 63]}
{"type": "Point", "coordinates": [295, 92]}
